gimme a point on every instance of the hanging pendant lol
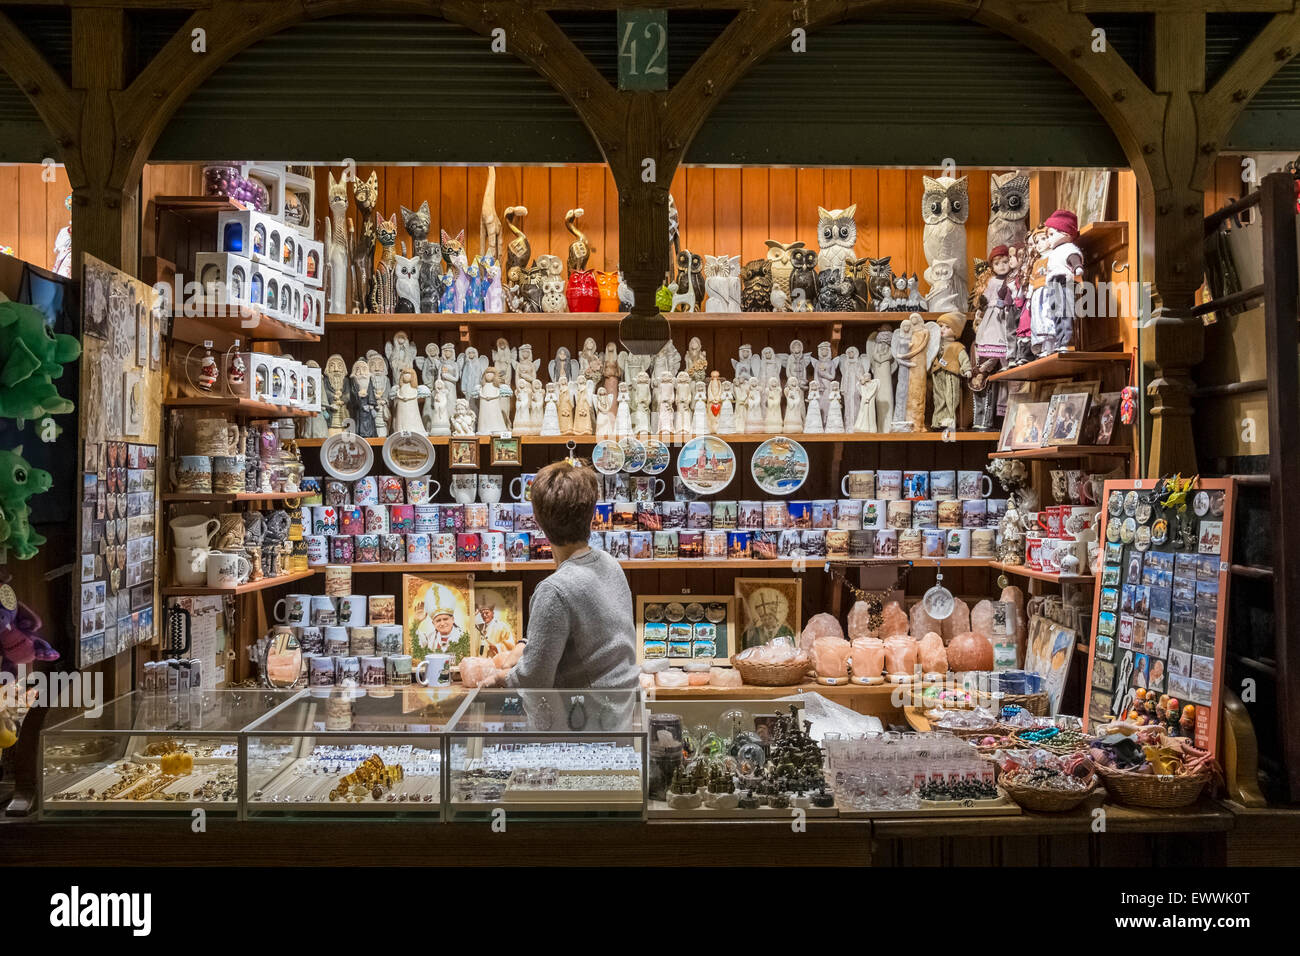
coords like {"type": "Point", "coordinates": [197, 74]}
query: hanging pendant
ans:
{"type": "Point", "coordinates": [577, 714]}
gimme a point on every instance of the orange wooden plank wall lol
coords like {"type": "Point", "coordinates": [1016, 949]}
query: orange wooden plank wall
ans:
{"type": "Point", "coordinates": [32, 212]}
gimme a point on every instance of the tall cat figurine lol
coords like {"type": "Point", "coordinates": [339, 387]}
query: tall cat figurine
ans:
{"type": "Point", "coordinates": [945, 207]}
{"type": "Point", "coordinates": [1008, 209]}
{"type": "Point", "coordinates": [455, 283]}
{"type": "Point", "coordinates": [519, 253]}
{"type": "Point", "coordinates": [383, 285]}
{"type": "Point", "coordinates": [428, 254]}
{"type": "Point", "coordinates": [722, 283]}
{"type": "Point", "coordinates": [364, 195]}
{"type": "Point", "coordinates": [407, 284]}
{"type": "Point", "coordinates": [837, 232]}
{"type": "Point", "coordinates": [477, 287]}
{"type": "Point", "coordinates": [337, 247]}
{"type": "Point", "coordinates": [489, 223]}
{"type": "Point", "coordinates": [579, 250]}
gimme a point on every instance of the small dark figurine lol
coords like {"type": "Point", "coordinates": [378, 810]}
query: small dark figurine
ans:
{"type": "Point", "coordinates": [803, 279]}
{"type": "Point", "coordinates": [756, 286]}
{"type": "Point", "coordinates": [835, 293]}
{"type": "Point", "coordinates": [880, 282]}
{"type": "Point", "coordinates": [860, 274]}
{"type": "Point", "coordinates": [690, 265]}
{"type": "Point", "coordinates": [530, 289]}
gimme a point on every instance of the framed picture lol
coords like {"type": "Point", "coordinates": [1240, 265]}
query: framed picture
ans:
{"type": "Point", "coordinates": [436, 615]}
{"type": "Point", "coordinates": [1065, 416]}
{"type": "Point", "coordinates": [682, 627]}
{"type": "Point", "coordinates": [1099, 425]}
{"type": "Point", "coordinates": [1049, 651]}
{"type": "Point", "coordinates": [463, 453]}
{"type": "Point", "coordinates": [506, 451]}
{"type": "Point", "coordinates": [767, 608]}
{"type": "Point", "coordinates": [1023, 425]}
{"type": "Point", "coordinates": [498, 617]}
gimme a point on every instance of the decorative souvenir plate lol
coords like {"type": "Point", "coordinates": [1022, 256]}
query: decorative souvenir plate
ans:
{"type": "Point", "coordinates": [633, 454]}
{"type": "Point", "coordinates": [408, 454]}
{"type": "Point", "coordinates": [657, 457]}
{"type": "Point", "coordinates": [346, 456]}
{"type": "Point", "coordinates": [706, 464]}
{"type": "Point", "coordinates": [607, 457]}
{"type": "Point", "coordinates": [779, 465]}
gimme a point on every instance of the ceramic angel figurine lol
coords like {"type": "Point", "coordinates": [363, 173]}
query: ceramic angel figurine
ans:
{"type": "Point", "coordinates": [769, 365]}
{"type": "Point", "coordinates": [641, 398]}
{"type": "Point", "coordinates": [536, 405]}
{"type": "Point", "coordinates": [471, 374]}
{"type": "Point", "coordinates": [853, 369]}
{"type": "Point", "coordinates": [866, 420]}
{"type": "Point", "coordinates": [667, 359]}
{"type": "Point", "coordinates": [365, 403]}
{"type": "Point", "coordinates": [793, 408]}
{"type": "Point", "coordinates": [503, 357]}
{"type": "Point", "coordinates": [462, 422]}
{"type": "Point", "coordinates": [796, 363]}
{"type": "Point", "coordinates": [824, 368]}
{"type": "Point", "coordinates": [631, 364]}
{"type": "Point", "coordinates": [406, 395]}
{"type": "Point", "coordinates": [713, 393]}
{"type": "Point", "coordinates": [564, 406]}
{"type": "Point", "coordinates": [604, 413]}
{"type": "Point", "coordinates": [683, 397]}
{"type": "Point", "coordinates": [437, 411]}
{"type": "Point", "coordinates": [835, 410]}
{"type": "Point", "coordinates": [563, 365]}
{"type": "Point", "coordinates": [742, 365]}
{"type": "Point", "coordinates": [609, 368]}
{"type": "Point", "coordinates": [664, 392]}
{"type": "Point", "coordinates": [582, 412]}
{"type": "Point", "coordinates": [883, 367]}
{"type": "Point", "coordinates": [590, 360]}
{"type": "Point", "coordinates": [726, 420]}
{"type": "Point", "coordinates": [697, 360]}
{"type": "Point", "coordinates": [812, 420]}
{"type": "Point", "coordinates": [947, 370]}
{"type": "Point", "coordinates": [699, 409]}
{"type": "Point", "coordinates": [754, 407]}
{"type": "Point", "coordinates": [401, 352]}
{"type": "Point", "coordinates": [491, 416]}
{"type": "Point", "coordinates": [551, 411]}
{"type": "Point", "coordinates": [623, 415]}
{"type": "Point", "coordinates": [523, 418]}
{"type": "Point", "coordinates": [526, 367]}
{"type": "Point", "coordinates": [740, 403]}
{"type": "Point", "coordinates": [772, 422]}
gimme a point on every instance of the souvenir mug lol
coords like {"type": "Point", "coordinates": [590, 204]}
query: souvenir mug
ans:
{"type": "Point", "coordinates": [749, 515]}
{"type": "Point", "coordinates": [889, 485]}
{"type": "Point", "coordinates": [338, 579]}
{"type": "Point", "coordinates": [352, 610]}
{"type": "Point", "coordinates": [419, 547]}
{"type": "Point", "coordinates": [681, 492]}
{"type": "Point", "coordinates": [501, 516]}
{"type": "Point", "coordinates": [382, 608]}
{"type": "Point", "coordinates": [293, 610]}
{"type": "Point", "coordinates": [800, 513]}
{"type": "Point", "coordinates": [347, 673]}
{"type": "Point", "coordinates": [215, 436]}
{"type": "Point", "coordinates": [738, 544]}
{"type": "Point", "coordinates": [434, 670]}
{"type": "Point", "coordinates": [228, 474]}
{"type": "Point", "coordinates": [337, 640]}
{"type": "Point", "coordinates": [376, 519]}
{"type": "Point", "coordinates": [230, 536]}
{"type": "Point", "coordinates": [193, 473]}
{"type": "Point", "coordinates": [925, 513]}
{"type": "Point", "coordinates": [194, 531]}
{"type": "Point", "coordinates": [476, 516]}
{"type": "Point", "coordinates": [775, 515]}
{"type": "Point", "coordinates": [858, 484]}
{"type": "Point", "coordinates": [365, 491]}
{"type": "Point", "coordinates": [983, 542]}
{"type": "Point", "coordinates": [401, 519]}
{"type": "Point", "coordinates": [367, 549]}
{"type": "Point", "coordinates": [417, 491]}
{"type": "Point", "coordinates": [310, 639]}
{"type": "Point", "coordinates": [324, 611]}
{"type": "Point", "coordinates": [916, 484]}
{"type": "Point", "coordinates": [974, 484]}
{"type": "Point", "coordinates": [837, 543]}
{"type": "Point", "coordinates": [673, 513]}
{"type": "Point", "coordinates": [190, 566]}
{"type": "Point", "coordinates": [521, 486]}
{"type": "Point", "coordinates": [615, 487]}
{"type": "Point", "coordinates": [934, 543]}
{"type": "Point", "coordinates": [227, 569]}
{"type": "Point", "coordinates": [725, 515]}
{"type": "Point", "coordinates": [974, 513]}
{"type": "Point", "coordinates": [943, 484]}
{"type": "Point", "coordinates": [645, 487]}
{"type": "Point", "coordinates": [342, 549]}
{"type": "Point", "coordinates": [352, 519]}
{"type": "Point", "coordinates": [699, 515]}
{"type": "Point", "coordinates": [823, 514]}
{"type": "Point", "coordinates": [492, 547]}
{"type": "Point", "coordinates": [518, 546]}
{"type": "Point", "coordinates": [489, 489]}
{"type": "Point", "coordinates": [602, 516]}
{"type": "Point", "coordinates": [373, 672]}
{"type": "Point", "coordinates": [640, 544]}
{"type": "Point", "coordinates": [320, 671]}
{"type": "Point", "coordinates": [388, 639]}
{"type": "Point", "coordinates": [464, 488]}
{"type": "Point", "coordinates": [848, 513]}
{"type": "Point", "coordinates": [392, 490]}
{"type": "Point", "coordinates": [397, 667]}
{"type": "Point", "coordinates": [444, 547]}
{"type": "Point", "coordinates": [910, 542]}
{"type": "Point", "coordinates": [899, 513]}
{"type": "Point", "coordinates": [959, 541]}
{"type": "Point", "coordinates": [324, 519]}
{"type": "Point", "coordinates": [337, 493]}
{"type": "Point", "coordinates": [425, 518]}
{"type": "Point", "coordinates": [949, 514]}
{"type": "Point", "coordinates": [861, 543]}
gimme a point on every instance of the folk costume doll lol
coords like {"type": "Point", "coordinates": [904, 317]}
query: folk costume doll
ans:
{"type": "Point", "coordinates": [1052, 302]}
{"type": "Point", "coordinates": [947, 370]}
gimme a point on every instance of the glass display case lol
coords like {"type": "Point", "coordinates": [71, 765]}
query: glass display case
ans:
{"type": "Point", "coordinates": [548, 753]}
{"type": "Point", "coordinates": [148, 754]}
{"type": "Point", "coordinates": [363, 751]}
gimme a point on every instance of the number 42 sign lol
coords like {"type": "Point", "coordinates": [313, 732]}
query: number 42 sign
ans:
{"type": "Point", "coordinates": [643, 49]}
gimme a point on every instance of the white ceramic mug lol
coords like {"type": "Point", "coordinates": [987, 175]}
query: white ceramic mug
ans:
{"type": "Point", "coordinates": [973, 484]}
{"type": "Point", "coordinates": [194, 531]}
{"type": "Point", "coordinates": [489, 489]}
{"type": "Point", "coordinates": [324, 611]}
{"type": "Point", "coordinates": [858, 484]}
{"type": "Point", "coordinates": [190, 566]}
{"type": "Point", "coordinates": [434, 670]}
{"type": "Point", "coordinates": [352, 610]}
{"type": "Point", "coordinates": [296, 610]}
{"type": "Point", "coordinates": [464, 488]}
{"type": "Point", "coordinates": [524, 491]}
{"type": "Point", "coordinates": [227, 569]}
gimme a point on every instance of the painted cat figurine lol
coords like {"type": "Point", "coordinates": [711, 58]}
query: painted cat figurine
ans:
{"type": "Point", "coordinates": [428, 253]}
{"type": "Point", "coordinates": [493, 295]}
{"type": "Point", "coordinates": [477, 287]}
{"type": "Point", "coordinates": [365, 195]}
{"type": "Point", "coordinates": [455, 282]}
{"type": "Point", "coordinates": [407, 285]}
{"type": "Point", "coordinates": [383, 286]}
{"type": "Point", "coordinates": [337, 247]}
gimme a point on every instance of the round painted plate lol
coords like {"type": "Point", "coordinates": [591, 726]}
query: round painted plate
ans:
{"type": "Point", "coordinates": [779, 465]}
{"type": "Point", "coordinates": [633, 454]}
{"type": "Point", "coordinates": [408, 454]}
{"type": "Point", "coordinates": [657, 457]}
{"type": "Point", "coordinates": [346, 456]}
{"type": "Point", "coordinates": [607, 457]}
{"type": "Point", "coordinates": [706, 464]}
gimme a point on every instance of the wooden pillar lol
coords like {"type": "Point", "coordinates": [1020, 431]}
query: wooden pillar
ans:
{"type": "Point", "coordinates": [105, 211]}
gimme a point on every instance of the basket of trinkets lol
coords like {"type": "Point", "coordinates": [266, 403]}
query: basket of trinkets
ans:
{"type": "Point", "coordinates": [771, 673]}
{"type": "Point", "coordinates": [1054, 739]}
{"type": "Point", "coordinates": [1152, 768]}
{"type": "Point", "coordinates": [1046, 782]}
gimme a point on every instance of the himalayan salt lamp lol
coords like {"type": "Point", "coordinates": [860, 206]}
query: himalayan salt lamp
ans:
{"type": "Point", "coordinates": [830, 656]}
{"type": "Point", "coordinates": [934, 659]}
{"type": "Point", "coordinates": [475, 670]}
{"type": "Point", "coordinates": [860, 621]}
{"type": "Point", "coordinates": [698, 678]}
{"type": "Point", "coordinates": [900, 655]}
{"type": "Point", "coordinates": [895, 620]}
{"type": "Point", "coordinates": [725, 677]}
{"type": "Point", "coordinates": [673, 677]}
{"type": "Point", "coordinates": [819, 626]}
{"type": "Point", "coordinates": [647, 681]}
{"type": "Point", "coordinates": [922, 622]}
{"type": "Point", "coordinates": [957, 622]}
{"type": "Point", "coordinates": [867, 658]}
{"type": "Point", "coordinates": [970, 652]}
{"type": "Point", "coordinates": [981, 619]}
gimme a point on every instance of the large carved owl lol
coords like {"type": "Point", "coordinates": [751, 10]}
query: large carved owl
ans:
{"type": "Point", "coordinates": [690, 267]}
{"type": "Point", "coordinates": [756, 286]}
{"type": "Point", "coordinates": [780, 261]}
{"type": "Point", "coordinates": [837, 231]}
{"type": "Point", "coordinates": [945, 207]}
{"type": "Point", "coordinates": [1008, 208]}
{"type": "Point", "coordinates": [803, 278]}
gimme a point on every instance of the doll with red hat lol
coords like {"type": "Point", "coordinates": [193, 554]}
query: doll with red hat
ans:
{"type": "Point", "coordinates": [1055, 272]}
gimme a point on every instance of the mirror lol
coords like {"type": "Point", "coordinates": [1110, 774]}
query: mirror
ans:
{"type": "Point", "coordinates": [282, 663]}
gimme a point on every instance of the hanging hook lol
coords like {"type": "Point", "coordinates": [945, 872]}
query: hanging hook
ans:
{"type": "Point", "coordinates": [1116, 267]}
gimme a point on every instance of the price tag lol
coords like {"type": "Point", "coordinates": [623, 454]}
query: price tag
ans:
{"type": "Point", "coordinates": [643, 49]}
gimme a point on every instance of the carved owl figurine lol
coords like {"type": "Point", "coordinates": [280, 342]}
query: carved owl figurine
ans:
{"type": "Point", "coordinates": [1008, 209]}
{"type": "Point", "coordinates": [942, 276]}
{"type": "Point", "coordinates": [756, 286]}
{"type": "Point", "coordinates": [553, 294]}
{"type": "Point", "coordinates": [530, 288]}
{"type": "Point", "coordinates": [945, 207]}
{"type": "Point", "coordinates": [780, 260]}
{"type": "Point", "coordinates": [837, 231]}
{"type": "Point", "coordinates": [722, 283]}
{"type": "Point", "coordinates": [880, 282]}
{"type": "Point", "coordinates": [860, 275]}
{"type": "Point", "coordinates": [691, 266]}
{"type": "Point", "coordinates": [835, 292]}
{"type": "Point", "coordinates": [607, 286]}
{"type": "Point", "coordinates": [803, 279]}
{"type": "Point", "coordinates": [408, 283]}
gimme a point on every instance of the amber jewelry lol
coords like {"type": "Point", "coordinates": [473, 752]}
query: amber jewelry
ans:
{"type": "Point", "coordinates": [875, 600]}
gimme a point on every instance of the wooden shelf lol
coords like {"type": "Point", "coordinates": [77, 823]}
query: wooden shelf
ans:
{"type": "Point", "coordinates": [1059, 365]}
{"type": "Point", "coordinates": [217, 497]}
{"type": "Point", "coordinates": [243, 407]}
{"type": "Point", "coordinates": [196, 207]}
{"type": "Point", "coordinates": [746, 439]}
{"type": "Point", "coordinates": [1099, 238]}
{"type": "Point", "coordinates": [248, 588]}
{"type": "Point", "coordinates": [492, 320]}
{"type": "Point", "coordinates": [1025, 572]}
{"type": "Point", "coordinates": [677, 564]}
{"type": "Point", "coordinates": [254, 327]}
{"type": "Point", "coordinates": [1057, 452]}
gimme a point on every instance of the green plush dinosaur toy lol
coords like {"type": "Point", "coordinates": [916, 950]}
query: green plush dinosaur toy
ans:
{"type": "Point", "coordinates": [31, 356]}
{"type": "Point", "coordinates": [18, 482]}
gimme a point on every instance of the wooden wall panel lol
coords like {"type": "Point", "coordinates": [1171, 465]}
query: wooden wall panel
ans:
{"type": "Point", "coordinates": [32, 211]}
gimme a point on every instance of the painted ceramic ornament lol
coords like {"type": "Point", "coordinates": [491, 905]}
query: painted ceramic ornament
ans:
{"type": "Point", "coordinates": [582, 293]}
{"type": "Point", "coordinates": [657, 457]}
{"type": "Point", "coordinates": [779, 466]}
{"type": "Point", "coordinates": [408, 455]}
{"type": "Point", "coordinates": [706, 464]}
{"type": "Point", "coordinates": [945, 207]}
{"type": "Point", "coordinates": [607, 457]}
{"type": "Point", "coordinates": [607, 286]}
{"type": "Point", "coordinates": [346, 456]}
{"type": "Point", "coordinates": [634, 454]}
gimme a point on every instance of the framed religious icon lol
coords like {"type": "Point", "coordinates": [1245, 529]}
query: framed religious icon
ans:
{"type": "Point", "coordinates": [768, 608]}
{"type": "Point", "coordinates": [498, 617]}
{"type": "Point", "coordinates": [436, 615]}
{"type": "Point", "coordinates": [463, 453]}
{"type": "Point", "coordinates": [506, 451]}
{"type": "Point", "coordinates": [682, 627]}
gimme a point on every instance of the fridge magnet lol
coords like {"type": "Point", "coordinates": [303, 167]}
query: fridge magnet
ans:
{"type": "Point", "coordinates": [706, 464]}
{"type": "Point", "coordinates": [779, 465]}
{"type": "Point", "coordinates": [702, 627]}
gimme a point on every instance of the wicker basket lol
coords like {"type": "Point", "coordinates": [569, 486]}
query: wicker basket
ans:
{"type": "Point", "coordinates": [1036, 704]}
{"type": "Point", "coordinates": [771, 675]}
{"type": "Point", "coordinates": [968, 733]}
{"type": "Point", "coordinates": [1151, 790]}
{"type": "Point", "coordinates": [1046, 801]}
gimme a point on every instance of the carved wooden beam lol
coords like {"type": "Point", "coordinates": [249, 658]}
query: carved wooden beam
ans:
{"type": "Point", "coordinates": [57, 104]}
